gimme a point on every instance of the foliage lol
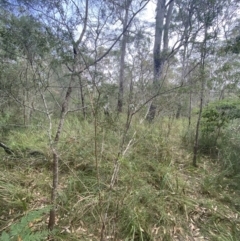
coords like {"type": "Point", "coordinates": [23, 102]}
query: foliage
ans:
{"type": "Point", "coordinates": [216, 117]}
{"type": "Point", "coordinates": [23, 35]}
{"type": "Point", "coordinates": [229, 149]}
{"type": "Point", "coordinates": [233, 45]}
{"type": "Point", "coordinates": [22, 230]}
{"type": "Point", "coordinates": [218, 114]}
{"type": "Point", "coordinates": [219, 135]}
{"type": "Point", "coordinates": [59, 70]}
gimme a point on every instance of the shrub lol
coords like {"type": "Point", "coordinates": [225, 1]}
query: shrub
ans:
{"type": "Point", "coordinates": [216, 117]}
{"type": "Point", "coordinates": [23, 230]}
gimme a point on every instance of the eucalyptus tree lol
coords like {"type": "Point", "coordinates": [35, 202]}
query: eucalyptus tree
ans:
{"type": "Point", "coordinates": [174, 20]}
{"type": "Point", "coordinates": [184, 20]}
{"type": "Point", "coordinates": [125, 5]}
{"type": "Point", "coordinates": [161, 45]}
{"type": "Point", "coordinates": [139, 65]}
{"type": "Point", "coordinates": [123, 11]}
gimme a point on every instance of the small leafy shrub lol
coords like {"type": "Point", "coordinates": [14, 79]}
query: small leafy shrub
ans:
{"type": "Point", "coordinates": [219, 134]}
{"type": "Point", "coordinates": [218, 114]}
{"type": "Point", "coordinates": [24, 229]}
{"type": "Point", "coordinates": [216, 117]}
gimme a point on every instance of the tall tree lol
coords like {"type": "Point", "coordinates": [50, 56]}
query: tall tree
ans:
{"type": "Point", "coordinates": [161, 43]}
{"type": "Point", "coordinates": [126, 5]}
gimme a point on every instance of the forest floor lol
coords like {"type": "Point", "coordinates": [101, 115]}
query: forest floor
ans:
{"type": "Point", "coordinates": [159, 195]}
{"type": "Point", "coordinates": [216, 209]}
{"type": "Point", "coordinates": [215, 215]}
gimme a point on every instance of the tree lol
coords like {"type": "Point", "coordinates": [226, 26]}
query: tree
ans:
{"type": "Point", "coordinates": [161, 44]}
{"type": "Point", "coordinates": [207, 13]}
{"type": "Point", "coordinates": [126, 6]}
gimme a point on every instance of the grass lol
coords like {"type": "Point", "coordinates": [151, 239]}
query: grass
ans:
{"type": "Point", "coordinates": [158, 195]}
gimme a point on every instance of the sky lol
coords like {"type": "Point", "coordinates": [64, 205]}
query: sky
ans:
{"type": "Point", "coordinates": [149, 13]}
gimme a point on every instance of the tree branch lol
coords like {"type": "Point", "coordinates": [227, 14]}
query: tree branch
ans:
{"type": "Point", "coordinates": [8, 150]}
{"type": "Point", "coordinates": [117, 39]}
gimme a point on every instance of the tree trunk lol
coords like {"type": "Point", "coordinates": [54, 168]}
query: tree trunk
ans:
{"type": "Point", "coordinates": [195, 148]}
{"type": "Point", "coordinates": [82, 97]}
{"type": "Point", "coordinates": [52, 216]}
{"type": "Point", "coordinates": [202, 78]}
{"type": "Point", "coordinates": [190, 108]}
{"type": "Point", "coordinates": [122, 58]}
{"type": "Point", "coordinates": [64, 110]}
{"type": "Point", "coordinates": [159, 51]}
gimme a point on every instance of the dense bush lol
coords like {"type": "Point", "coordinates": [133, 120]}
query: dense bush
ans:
{"type": "Point", "coordinates": [219, 134]}
{"type": "Point", "coordinates": [216, 117]}
{"type": "Point", "coordinates": [218, 114]}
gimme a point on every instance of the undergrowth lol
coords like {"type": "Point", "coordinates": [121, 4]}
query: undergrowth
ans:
{"type": "Point", "coordinates": [27, 228]}
{"type": "Point", "coordinates": [158, 195]}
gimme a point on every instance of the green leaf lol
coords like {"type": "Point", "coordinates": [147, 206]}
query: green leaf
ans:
{"type": "Point", "coordinates": [4, 237]}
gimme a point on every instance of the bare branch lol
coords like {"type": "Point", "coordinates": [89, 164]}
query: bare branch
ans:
{"type": "Point", "coordinates": [84, 25]}
{"type": "Point", "coordinates": [116, 40]}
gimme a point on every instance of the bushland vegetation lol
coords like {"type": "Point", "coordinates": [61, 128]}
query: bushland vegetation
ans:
{"type": "Point", "coordinates": [118, 126]}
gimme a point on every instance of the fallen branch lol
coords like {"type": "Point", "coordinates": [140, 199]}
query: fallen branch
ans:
{"type": "Point", "coordinates": [29, 153]}
{"type": "Point", "coordinates": [8, 150]}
